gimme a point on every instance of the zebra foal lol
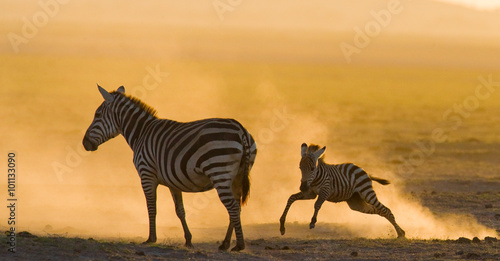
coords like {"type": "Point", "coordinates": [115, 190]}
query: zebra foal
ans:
{"type": "Point", "coordinates": [186, 157]}
{"type": "Point", "coordinates": [337, 183]}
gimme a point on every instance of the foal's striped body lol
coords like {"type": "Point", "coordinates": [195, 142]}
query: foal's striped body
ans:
{"type": "Point", "coordinates": [337, 183]}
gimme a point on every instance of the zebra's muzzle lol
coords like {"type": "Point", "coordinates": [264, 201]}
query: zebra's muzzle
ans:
{"type": "Point", "coordinates": [303, 186]}
{"type": "Point", "coordinates": [89, 145]}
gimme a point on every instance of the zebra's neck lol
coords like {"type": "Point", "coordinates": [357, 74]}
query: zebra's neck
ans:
{"type": "Point", "coordinates": [132, 120]}
{"type": "Point", "coordinates": [321, 169]}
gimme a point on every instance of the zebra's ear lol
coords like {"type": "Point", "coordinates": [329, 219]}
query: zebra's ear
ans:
{"type": "Point", "coordinates": [105, 94]}
{"type": "Point", "coordinates": [121, 89]}
{"type": "Point", "coordinates": [303, 149]}
{"type": "Point", "coordinates": [319, 153]}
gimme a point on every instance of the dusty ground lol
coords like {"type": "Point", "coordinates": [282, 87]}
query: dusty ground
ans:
{"type": "Point", "coordinates": [62, 248]}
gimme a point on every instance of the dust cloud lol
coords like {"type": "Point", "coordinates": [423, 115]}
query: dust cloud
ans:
{"type": "Point", "coordinates": [280, 73]}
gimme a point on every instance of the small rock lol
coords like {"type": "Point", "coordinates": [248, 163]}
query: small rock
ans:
{"type": "Point", "coordinates": [497, 216]}
{"type": "Point", "coordinates": [433, 192]}
{"type": "Point", "coordinates": [268, 248]}
{"type": "Point", "coordinates": [354, 253]}
{"type": "Point", "coordinates": [473, 256]}
{"type": "Point", "coordinates": [488, 206]}
{"type": "Point", "coordinates": [90, 239]}
{"type": "Point", "coordinates": [476, 240]}
{"type": "Point", "coordinates": [257, 242]}
{"type": "Point", "coordinates": [464, 240]}
{"type": "Point", "coordinates": [285, 248]}
{"type": "Point", "coordinates": [461, 252]}
{"type": "Point", "coordinates": [26, 234]}
{"type": "Point", "coordinates": [490, 240]}
{"type": "Point", "coordinates": [140, 253]}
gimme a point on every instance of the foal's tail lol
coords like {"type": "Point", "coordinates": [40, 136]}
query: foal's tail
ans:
{"type": "Point", "coordinates": [379, 180]}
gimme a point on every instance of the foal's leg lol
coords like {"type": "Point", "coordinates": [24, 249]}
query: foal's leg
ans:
{"type": "Point", "coordinates": [291, 199]}
{"type": "Point", "coordinates": [368, 203]}
{"type": "Point", "coordinates": [323, 195]}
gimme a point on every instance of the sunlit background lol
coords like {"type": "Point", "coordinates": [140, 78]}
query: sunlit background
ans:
{"type": "Point", "coordinates": [371, 80]}
{"type": "Point", "coordinates": [478, 4]}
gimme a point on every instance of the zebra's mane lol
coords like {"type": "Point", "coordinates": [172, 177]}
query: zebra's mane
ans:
{"type": "Point", "coordinates": [313, 148]}
{"type": "Point", "coordinates": [148, 109]}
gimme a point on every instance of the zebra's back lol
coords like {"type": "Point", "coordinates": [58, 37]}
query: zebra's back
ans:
{"type": "Point", "coordinates": [347, 179]}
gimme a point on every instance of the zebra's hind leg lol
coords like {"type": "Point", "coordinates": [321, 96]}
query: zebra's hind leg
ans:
{"type": "Point", "coordinates": [369, 204]}
{"type": "Point", "coordinates": [358, 204]}
{"type": "Point", "coordinates": [227, 240]}
{"type": "Point", "coordinates": [179, 210]}
{"type": "Point", "coordinates": [233, 208]}
{"type": "Point", "coordinates": [387, 213]}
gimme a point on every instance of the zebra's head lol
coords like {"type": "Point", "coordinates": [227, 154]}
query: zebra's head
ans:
{"type": "Point", "coordinates": [309, 164]}
{"type": "Point", "coordinates": [103, 127]}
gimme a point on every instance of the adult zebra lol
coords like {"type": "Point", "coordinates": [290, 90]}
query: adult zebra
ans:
{"type": "Point", "coordinates": [337, 183]}
{"type": "Point", "coordinates": [186, 157]}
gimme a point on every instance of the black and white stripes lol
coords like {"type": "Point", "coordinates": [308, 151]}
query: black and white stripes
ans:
{"type": "Point", "coordinates": [336, 183]}
{"type": "Point", "coordinates": [186, 157]}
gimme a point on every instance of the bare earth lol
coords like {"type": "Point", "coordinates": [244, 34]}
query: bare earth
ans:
{"type": "Point", "coordinates": [61, 248]}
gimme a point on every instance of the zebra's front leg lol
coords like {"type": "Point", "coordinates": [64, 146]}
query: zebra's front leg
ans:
{"type": "Point", "coordinates": [291, 199]}
{"type": "Point", "coordinates": [150, 193]}
{"type": "Point", "coordinates": [323, 195]}
{"type": "Point", "coordinates": [179, 210]}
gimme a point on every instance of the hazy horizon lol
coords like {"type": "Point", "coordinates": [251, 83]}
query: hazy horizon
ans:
{"type": "Point", "coordinates": [481, 5]}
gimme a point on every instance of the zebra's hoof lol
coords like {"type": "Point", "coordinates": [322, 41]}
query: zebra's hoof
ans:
{"type": "Point", "coordinates": [311, 226]}
{"type": "Point", "coordinates": [282, 228]}
{"type": "Point", "coordinates": [224, 246]}
{"type": "Point", "coordinates": [238, 248]}
{"type": "Point", "coordinates": [149, 241]}
{"type": "Point", "coordinates": [401, 235]}
{"type": "Point", "coordinates": [189, 245]}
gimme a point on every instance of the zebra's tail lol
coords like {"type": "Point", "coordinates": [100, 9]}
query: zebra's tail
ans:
{"type": "Point", "coordinates": [381, 181]}
{"type": "Point", "coordinates": [245, 189]}
{"type": "Point", "coordinates": [245, 182]}
{"type": "Point", "coordinates": [247, 160]}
